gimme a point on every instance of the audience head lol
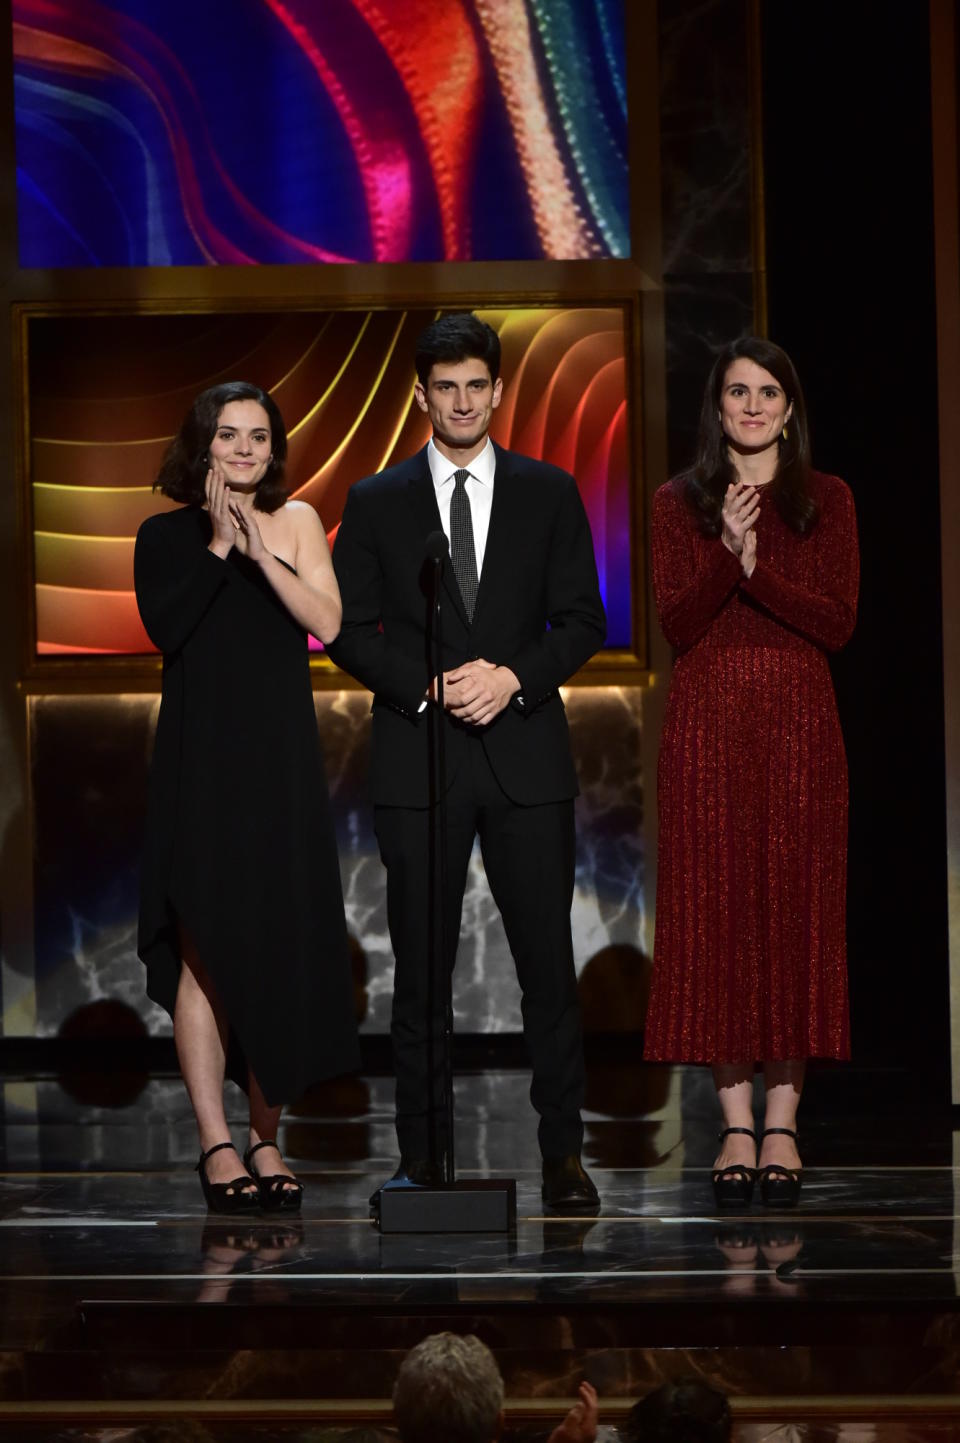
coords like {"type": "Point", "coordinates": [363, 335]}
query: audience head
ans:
{"type": "Point", "coordinates": [184, 1430]}
{"type": "Point", "coordinates": [362, 1434]}
{"type": "Point", "coordinates": [684, 1411]}
{"type": "Point", "coordinates": [449, 1388]}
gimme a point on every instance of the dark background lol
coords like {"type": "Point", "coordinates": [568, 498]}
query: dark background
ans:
{"type": "Point", "coordinates": [849, 242]}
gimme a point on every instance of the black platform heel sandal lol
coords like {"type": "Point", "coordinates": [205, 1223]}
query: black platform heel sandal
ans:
{"type": "Point", "coordinates": [733, 1185]}
{"type": "Point", "coordinates": [278, 1192]}
{"type": "Point", "coordinates": [779, 1186]}
{"type": "Point", "coordinates": [227, 1197]}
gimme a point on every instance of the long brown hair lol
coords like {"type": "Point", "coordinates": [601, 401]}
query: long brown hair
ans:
{"type": "Point", "coordinates": [705, 482]}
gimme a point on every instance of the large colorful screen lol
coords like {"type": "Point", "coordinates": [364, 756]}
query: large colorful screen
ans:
{"type": "Point", "coordinates": [171, 132]}
{"type": "Point", "coordinates": [106, 394]}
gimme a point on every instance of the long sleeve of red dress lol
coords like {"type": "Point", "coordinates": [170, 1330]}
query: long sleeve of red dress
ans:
{"type": "Point", "coordinates": [825, 613]}
{"type": "Point", "coordinates": [690, 583]}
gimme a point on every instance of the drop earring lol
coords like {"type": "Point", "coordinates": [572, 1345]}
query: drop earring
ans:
{"type": "Point", "coordinates": [783, 433]}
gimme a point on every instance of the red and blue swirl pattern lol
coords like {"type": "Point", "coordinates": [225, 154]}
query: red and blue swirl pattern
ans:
{"type": "Point", "coordinates": [167, 132]}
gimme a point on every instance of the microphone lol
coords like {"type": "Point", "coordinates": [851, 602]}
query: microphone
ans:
{"type": "Point", "coordinates": [436, 547]}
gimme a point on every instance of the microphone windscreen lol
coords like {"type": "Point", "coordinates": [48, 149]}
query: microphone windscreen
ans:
{"type": "Point", "coordinates": [436, 546]}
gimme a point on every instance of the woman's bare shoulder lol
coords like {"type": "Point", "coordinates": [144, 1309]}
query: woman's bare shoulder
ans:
{"type": "Point", "coordinates": [300, 513]}
{"type": "Point", "coordinates": [304, 525]}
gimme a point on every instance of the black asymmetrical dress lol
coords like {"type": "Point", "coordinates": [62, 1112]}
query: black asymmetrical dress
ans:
{"type": "Point", "coordinates": [239, 845]}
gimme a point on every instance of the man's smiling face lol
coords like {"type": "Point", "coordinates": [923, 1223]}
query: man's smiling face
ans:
{"type": "Point", "coordinates": [460, 398]}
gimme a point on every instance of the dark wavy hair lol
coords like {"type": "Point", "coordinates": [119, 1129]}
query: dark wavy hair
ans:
{"type": "Point", "coordinates": [186, 462]}
{"type": "Point", "coordinates": [459, 336]}
{"type": "Point", "coordinates": [705, 482]}
{"type": "Point", "coordinates": [686, 1410]}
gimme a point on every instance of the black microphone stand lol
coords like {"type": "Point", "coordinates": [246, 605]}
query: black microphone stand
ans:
{"type": "Point", "coordinates": [440, 939]}
{"type": "Point", "coordinates": [486, 1205]}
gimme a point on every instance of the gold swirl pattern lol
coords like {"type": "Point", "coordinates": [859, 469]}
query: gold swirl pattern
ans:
{"type": "Point", "coordinates": [107, 393]}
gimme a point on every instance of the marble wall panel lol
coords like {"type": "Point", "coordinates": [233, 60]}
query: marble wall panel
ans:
{"type": "Point", "coordinates": [706, 162]}
{"type": "Point", "coordinates": [705, 136]}
{"type": "Point", "coordinates": [90, 757]}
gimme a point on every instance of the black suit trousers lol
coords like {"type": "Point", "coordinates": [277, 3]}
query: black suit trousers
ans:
{"type": "Point", "coordinates": [529, 856]}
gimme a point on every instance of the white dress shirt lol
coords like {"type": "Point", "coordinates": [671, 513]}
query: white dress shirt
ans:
{"type": "Point", "coordinates": [479, 488]}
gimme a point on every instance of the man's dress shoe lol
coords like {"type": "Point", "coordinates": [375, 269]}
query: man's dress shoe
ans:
{"type": "Point", "coordinates": [566, 1187]}
{"type": "Point", "coordinates": [416, 1170]}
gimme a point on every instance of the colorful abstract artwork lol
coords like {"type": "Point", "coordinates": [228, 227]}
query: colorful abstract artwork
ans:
{"type": "Point", "coordinates": [171, 132]}
{"type": "Point", "coordinates": [106, 393]}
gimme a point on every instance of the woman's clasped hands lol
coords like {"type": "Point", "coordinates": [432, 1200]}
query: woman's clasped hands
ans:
{"type": "Point", "coordinates": [741, 507]}
{"type": "Point", "coordinates": [234, 523]}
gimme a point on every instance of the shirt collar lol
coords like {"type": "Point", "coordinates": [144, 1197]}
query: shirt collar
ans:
{"type": "Point", "coordinates": [481, 467]}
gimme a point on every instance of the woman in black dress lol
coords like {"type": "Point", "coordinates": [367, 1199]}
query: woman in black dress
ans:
{"type": "Point", "coordinates": [241, 912]}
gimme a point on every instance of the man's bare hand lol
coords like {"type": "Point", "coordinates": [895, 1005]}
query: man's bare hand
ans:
{"type": "Point", "coordinates": [432, 693]}
{"type": "Point", "coordinates": [580, 1424]}
{"type": "Point", "coordinates": [478, 691]}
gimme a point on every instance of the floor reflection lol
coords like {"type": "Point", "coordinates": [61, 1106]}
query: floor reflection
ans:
{"type": "Point", "coordinates": [228, 1249]}
{"type": "Point", "coordinates": [116, 1284]}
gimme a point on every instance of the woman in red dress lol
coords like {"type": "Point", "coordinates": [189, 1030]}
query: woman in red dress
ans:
{"type": "Point", "coordinates": [755, 572]}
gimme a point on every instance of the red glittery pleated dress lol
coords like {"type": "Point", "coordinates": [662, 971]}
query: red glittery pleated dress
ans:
{"type": "Point", "coordinates": [750, 949]}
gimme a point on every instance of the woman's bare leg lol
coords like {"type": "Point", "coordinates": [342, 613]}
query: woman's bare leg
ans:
{"type": "Point", "coordinates": [264, 1121]}
{"type": "Point", "coordinates": [784, 1084]}
{"type": "Point", "coordinates": [734, 1084]}
{"type": "Point", "coordinates": [200, 1034]}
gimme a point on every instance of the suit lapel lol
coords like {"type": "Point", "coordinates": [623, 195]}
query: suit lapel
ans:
{"type": "Point", "coordinates": [423, 500]}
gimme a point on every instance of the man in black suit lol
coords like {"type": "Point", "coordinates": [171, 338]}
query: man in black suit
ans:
{"type": "Point", "coordinates": [522, 612]}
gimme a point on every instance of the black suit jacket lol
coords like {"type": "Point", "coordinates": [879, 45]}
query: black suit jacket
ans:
{"type": "Point", "coordinates": [538, 611]}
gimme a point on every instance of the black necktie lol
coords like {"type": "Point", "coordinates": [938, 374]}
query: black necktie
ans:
{"type": "Point", "coordinates": [462, 550]}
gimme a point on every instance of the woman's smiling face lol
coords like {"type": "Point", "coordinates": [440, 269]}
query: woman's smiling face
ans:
{"type": "Point", "coordinates": [241, 443]}
{"type": "Point", "coordinates": [753, 406]}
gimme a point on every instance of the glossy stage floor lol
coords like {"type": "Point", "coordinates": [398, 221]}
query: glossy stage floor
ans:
{"type": "Point", "coordinates": [125, 1305]}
